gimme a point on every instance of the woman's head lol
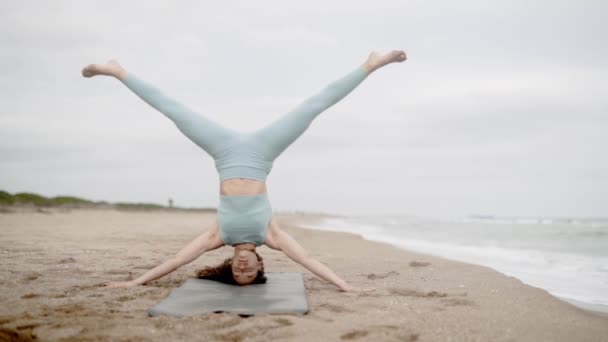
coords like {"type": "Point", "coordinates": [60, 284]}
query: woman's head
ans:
{"type": "Point", "coordinates": [244, 268]}
{"type": "Point", "coordinates": [247, 265]}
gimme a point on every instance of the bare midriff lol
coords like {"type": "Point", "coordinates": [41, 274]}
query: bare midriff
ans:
{"type": "Point", "coordinates": [242, 186]}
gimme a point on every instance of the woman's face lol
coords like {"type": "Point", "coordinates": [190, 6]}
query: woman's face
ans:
{"type": "Point", "coordinates": [245, 267]}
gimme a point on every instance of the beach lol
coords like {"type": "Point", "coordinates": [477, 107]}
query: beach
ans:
{"type": "Point", "coordinates": [54, 260]}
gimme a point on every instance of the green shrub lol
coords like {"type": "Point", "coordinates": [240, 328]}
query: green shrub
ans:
{"type": "Point", "coordinates": [64, 200]}
{"type": "Point", "coordinates": [6, 198]}
{"type": "Point", "coordinates": [28, 197]}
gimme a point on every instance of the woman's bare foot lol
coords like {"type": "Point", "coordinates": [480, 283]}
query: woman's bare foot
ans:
{"type": "Point", "coordinates": [377, 60]}
{"type": "Point", "coordinates": [110, 68]}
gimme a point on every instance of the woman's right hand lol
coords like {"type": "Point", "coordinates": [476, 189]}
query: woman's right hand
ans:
{"type": "Point", "coordinates": [114, 284]}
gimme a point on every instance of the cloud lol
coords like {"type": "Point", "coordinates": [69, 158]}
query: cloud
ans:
{"type": "Point", "coordinates": [496, 102]}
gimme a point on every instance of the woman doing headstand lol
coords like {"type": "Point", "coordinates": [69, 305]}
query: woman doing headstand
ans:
{"type": "Point", "coordinates": [243, 160]}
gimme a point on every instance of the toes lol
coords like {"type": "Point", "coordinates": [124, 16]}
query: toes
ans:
{"type": "Point", "coordinates": [401, 56]}
{"type": "Point", "coordinates": [88, 71]}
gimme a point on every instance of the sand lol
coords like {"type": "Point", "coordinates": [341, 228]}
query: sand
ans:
{"type": "Point", "coordinates": [54, 261]}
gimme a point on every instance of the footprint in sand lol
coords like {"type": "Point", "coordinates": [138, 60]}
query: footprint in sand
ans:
{"type": "Point", "coordinates": [284, 322]}
{"type": "Point", "coordinates": [8, 334]}
{"type": "Point", "coordinates": [29, 326]}
{"type": "Point", "coordinates": [381, 332]}
{"type": "Point", "coordinates": [416, 293]}
{"type": "Point", "coordinates": [67, 260]}
{"type": "Point", "coordinates": [125, 298]}
{"type": "Point", "coordinates": [117, 272]}
{"type": "Point", "coordinates": [32, 276]}
{"type": "Point", "coordinates": [67, 309]}
{"type": "Point", "coordinates": [30, 295]}
{"type": "Point", "coordinates": [379, 276]}
{"type": "Point", "coordinates": [355, 334]}
{"type": "Point", "coordinates": [457, 302]}
{"type": "Point", "coordinates": [416, 263]}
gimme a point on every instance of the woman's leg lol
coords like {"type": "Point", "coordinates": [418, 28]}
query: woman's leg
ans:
{"type": "Point", "coordinates": [274, 138]}
{"type": "Point", "coordinates": [209, 135]}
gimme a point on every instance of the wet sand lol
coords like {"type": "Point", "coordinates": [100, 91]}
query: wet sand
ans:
{"type": "Point", "coordinates": [54, 261]}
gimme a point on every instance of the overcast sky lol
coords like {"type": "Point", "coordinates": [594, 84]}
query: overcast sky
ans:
{"type": "Point", "coordinates": [500, 109]}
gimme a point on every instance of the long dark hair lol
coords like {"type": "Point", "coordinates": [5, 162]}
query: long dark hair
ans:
{"type": "Point", "coordinates": [223, 272]}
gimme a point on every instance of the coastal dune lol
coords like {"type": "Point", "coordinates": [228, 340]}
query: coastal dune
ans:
{"type": "Point", "coordinates": [54, 261]}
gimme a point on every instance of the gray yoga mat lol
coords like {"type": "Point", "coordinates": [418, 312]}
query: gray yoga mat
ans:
{"type": "Point", "coordinates": [282, 293]}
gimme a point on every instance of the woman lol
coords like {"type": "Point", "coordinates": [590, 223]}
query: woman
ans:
{"type": "Point", "coordinates": [243, 160]}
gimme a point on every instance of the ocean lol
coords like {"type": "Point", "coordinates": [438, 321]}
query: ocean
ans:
{"type": "Point", "coordinates": [568, 257]}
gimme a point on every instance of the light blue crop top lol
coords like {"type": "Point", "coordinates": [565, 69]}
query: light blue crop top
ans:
{"type": "Point", "coordinates": [244, 218]}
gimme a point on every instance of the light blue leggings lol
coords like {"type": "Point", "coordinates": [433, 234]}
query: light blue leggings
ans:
{"type": "Point", "coordinates": [246, 155]}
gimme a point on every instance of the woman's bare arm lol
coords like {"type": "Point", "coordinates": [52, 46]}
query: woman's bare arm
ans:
{"type": "Point", "coordinates": [207, 241]}
{"type": "Point", "coordinates": [280, 240]}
